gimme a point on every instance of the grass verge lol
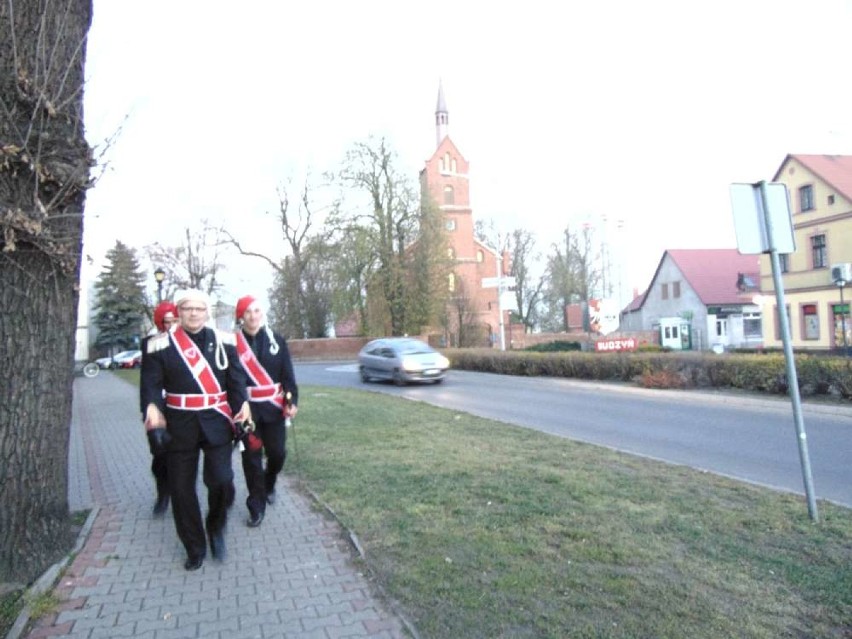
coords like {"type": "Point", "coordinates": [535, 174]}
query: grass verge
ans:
{"type": "Point", "coordinates": [481, 529]}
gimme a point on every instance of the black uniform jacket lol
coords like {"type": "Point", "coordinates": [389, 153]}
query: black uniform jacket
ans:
{"type": "Point", "coordinates": [165, 370]}
{"type": "Point", "coordinates": [280, 369]}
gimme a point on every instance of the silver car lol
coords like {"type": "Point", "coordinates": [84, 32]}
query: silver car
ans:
{"type": "Point", "coordinates": [401, 360]}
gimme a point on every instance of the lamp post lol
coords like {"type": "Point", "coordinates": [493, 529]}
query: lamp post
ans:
{"type": "Point", "coordinates": [159, 276]}
{"type": "Point", "coordinates": [841, 284]}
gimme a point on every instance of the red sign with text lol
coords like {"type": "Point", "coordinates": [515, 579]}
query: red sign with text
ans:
{"type": "Point", "coordinates": [612, 345]}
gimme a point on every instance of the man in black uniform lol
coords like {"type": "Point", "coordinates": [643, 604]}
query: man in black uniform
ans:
{"type": "Point", "coordinates": [274, 398]}
{"type": "Point", "coordinates": [165, 314]}
{"type": "Point", "coordinates": [194, 386]}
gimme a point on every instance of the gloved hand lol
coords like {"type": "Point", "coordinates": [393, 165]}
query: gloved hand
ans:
{"type": "Point", "coordinates": [158, 440]}
{"type": "Point", "coordinates": [245, 435]}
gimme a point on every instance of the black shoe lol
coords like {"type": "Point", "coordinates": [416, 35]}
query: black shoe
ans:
{"type": "Point", "coordinates": [193, 563]}
{"type": "Point", "coordinates": [254, 520]}
{"type": "Point", "coordinates": [270, 498]}
{"type": "Point", "coordinates": [217, 545]}
{"type": "Point", "coordinates": [161, 506]}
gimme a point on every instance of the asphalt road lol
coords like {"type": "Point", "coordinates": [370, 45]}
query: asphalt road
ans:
{"type": "Point", "coordinates": [747, 438]}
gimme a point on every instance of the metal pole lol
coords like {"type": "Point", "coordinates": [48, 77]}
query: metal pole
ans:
{"type": "Point", "coordinates": [843, 318]}
{"type": "Point", "coordinates": [159, 292]}
{"type": "Point", "coordinates": [792, 376]}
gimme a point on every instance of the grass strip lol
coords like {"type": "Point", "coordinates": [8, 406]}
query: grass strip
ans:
{"type": "Point", "coordinates": [482, 529]}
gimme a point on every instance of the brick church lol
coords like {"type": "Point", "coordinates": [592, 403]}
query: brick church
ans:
{"type": "Point", "coordinates": [446, 179]}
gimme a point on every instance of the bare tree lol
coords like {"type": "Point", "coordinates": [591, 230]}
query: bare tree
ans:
{"type": "Point", "coordinates": [44, 174]}
{"type": "Point", "coordinates": [194, 263]}
{"type": "Point", "coordinates": [528, 287]}
{"type": "Point", "coordinates": [463, 327]}
{"type": "Point", "coordinates": [572, 274]}
{"type": "Point", "coordinates": [301, 295]}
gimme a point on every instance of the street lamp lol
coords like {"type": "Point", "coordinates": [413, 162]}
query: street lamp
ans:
{"type": "Point", "coordinates": [159, 275]}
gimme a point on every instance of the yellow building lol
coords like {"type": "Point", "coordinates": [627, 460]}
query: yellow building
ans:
{"type": "Point", "coordinates": [817, 277]}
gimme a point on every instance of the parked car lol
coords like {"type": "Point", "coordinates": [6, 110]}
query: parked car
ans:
{"type": "Point", "coordinates": [129, 359]}
{"type": "Point", "coordinates": [124, 359]}
{"type": "Point", "coordinates": [401, 360]}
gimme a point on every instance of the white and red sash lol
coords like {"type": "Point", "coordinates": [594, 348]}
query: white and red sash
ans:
{"type": "Point", "coordinates": [263, 389]}
{"type": "Point", "coordinates": [212, 395]}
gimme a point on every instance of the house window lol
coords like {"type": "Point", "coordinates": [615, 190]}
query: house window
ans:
{"type": "Point", "coordinates": [722, 327]}
{"type": "Point", "coordinates": [480, 256]}
{"type": "Point", "coordinates": [806, 198]}
{"type": "Point", "coordinates": [449, 195]}
{"type": "Point", "coordinates": [784, 262]}
{"type": "Point", "coordinates": [451, 282]}
{"type": "Point", "coordinates": [675, 290]}
{"type": "Point", "coordinates": [664, 291]}
{"type": "Point", "coordinates": [450, 224]}
{"type": "Point", "coordinates": [810, 321]}
{"type": "Point", "coordinates": [831, 199]}
{"type": "Point", "coordinates": [819, 254]}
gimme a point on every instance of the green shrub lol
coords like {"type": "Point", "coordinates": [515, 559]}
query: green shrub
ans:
{"type": "Point", "coordinates": [762, 372]}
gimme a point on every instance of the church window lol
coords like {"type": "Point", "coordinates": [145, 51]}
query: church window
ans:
{"type": "Point", "coordinates": [480, 256]}
{"type": "Point", "coordinates": [449, 195]}
{"type": "Point", "coordinates": [453, 165]}
{"type": "Point", "coordinates": [445, 165]}
{"type": "Point", "coordinates": [451, 253]}
{"type": "Point", "coordinates": [451, 282]}
{"type": "Point", "coordinates": [450, 224]}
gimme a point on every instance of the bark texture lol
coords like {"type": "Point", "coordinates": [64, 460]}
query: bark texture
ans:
{"type": "Point", "coordinates": [44, 173]}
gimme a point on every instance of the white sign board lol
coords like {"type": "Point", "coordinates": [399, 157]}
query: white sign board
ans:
{"type": "Point", "coordinates": [762, 219]}
{"type": "Point", "coordinates": [502, 282]}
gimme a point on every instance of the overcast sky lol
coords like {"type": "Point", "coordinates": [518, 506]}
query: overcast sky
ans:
{"type": "Point", "coordinates": [643, 112]}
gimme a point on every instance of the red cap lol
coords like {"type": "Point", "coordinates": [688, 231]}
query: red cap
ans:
{"type": "Point", "coordinates": [160, 312]}
{"type": "Point", "coordinates": [242, 305]}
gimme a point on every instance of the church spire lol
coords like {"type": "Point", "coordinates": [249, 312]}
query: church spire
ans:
{"type": "Point", "coordinates": [442, 116]}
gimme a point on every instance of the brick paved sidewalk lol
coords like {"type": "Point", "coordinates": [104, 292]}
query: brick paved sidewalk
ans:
{"type": "Point", "coordinates": [291, 577]}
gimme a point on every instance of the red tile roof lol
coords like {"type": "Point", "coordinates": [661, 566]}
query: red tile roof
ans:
{"type": "Point", "coordinates": [712, 273]}
{"type": "Point", "coordinates": [836, 170]}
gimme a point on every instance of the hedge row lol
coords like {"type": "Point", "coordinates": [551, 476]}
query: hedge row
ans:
{"type": "Point", "coordinates": [765, 373]}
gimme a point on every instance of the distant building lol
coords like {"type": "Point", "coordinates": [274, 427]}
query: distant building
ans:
{"type": "Point", "coordinates": [700, 299]}
{"type": "Point", "coordinates": [446, 180]}
{"type": "Point", "coordinates": [820, 191]}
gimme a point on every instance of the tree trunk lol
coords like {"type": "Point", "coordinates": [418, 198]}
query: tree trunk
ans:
{"type": "Point", "coordinates": [44, 174]}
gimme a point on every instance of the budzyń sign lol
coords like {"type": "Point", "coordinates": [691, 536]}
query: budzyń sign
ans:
{"type": "Point", "coordinates": [615, 345]}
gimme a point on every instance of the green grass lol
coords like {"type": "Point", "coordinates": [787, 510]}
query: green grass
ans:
{"type": "Point", "coordinates": [480, 529]}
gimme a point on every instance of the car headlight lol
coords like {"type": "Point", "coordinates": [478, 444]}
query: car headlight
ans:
{"type": "Point", "coordinates": [410, 364]}
{"type": "Point", "coordinates": [443, 362]}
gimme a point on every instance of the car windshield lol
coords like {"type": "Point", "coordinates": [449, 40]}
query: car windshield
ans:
{"type": "Point", "coordinates": [414, 348]}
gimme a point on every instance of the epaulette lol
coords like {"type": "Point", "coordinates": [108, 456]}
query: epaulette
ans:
{"type": "Point", "coordinates": [226, 337]}
{"type": "Point", "coordinates": [158, 342]}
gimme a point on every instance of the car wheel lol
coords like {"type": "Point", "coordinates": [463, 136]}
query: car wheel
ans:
{"type": "Point", "coordinates": [438, 381]}
{"type": "Point", "coordinates": [398, 379]}
{"type": "Point", "coordinates": [364, 377]}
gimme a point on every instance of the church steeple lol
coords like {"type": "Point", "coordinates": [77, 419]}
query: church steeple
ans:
{"type": "Point", "coordinates": [442, 116]}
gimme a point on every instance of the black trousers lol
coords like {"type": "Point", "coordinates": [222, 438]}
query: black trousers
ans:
{"type": "Point", "coordinates": [159, 468]}
{"type": "Point", "coordinates": [260, 481]}
{"type": "Point", "coordinates": [218, 477]}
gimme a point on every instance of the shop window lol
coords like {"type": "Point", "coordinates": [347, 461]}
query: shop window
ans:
{"type": "Point", "coordinates": [751, 326]}
{"type": "Point", "coordinates": [810, 321]}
